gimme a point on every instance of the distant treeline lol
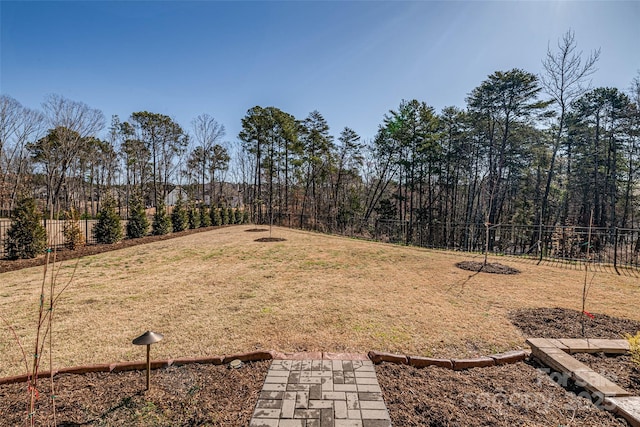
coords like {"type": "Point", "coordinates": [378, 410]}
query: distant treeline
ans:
{"type": "Point", "coordinates": [526, 149]}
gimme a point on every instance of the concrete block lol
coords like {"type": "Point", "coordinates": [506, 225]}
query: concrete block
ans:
{"type": "Point", "coordinates": [611, 346]}
{"type": "Point", "coordinates": [577, 345]}
{"type": "Point", "coordinates": [626, 407]}
{"type": "Point", "coordinates": [540, 343]}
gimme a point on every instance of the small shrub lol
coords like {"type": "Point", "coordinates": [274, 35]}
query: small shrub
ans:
{"type": "Point", "coordinates": [205, 218]}
{"type": "Point", "coordinates": [108, 229]}
{"type": "Point", "coordinates": [216, 218]}
{"type": "Point", "coordinates": [138, 225]}
{"type": "Point", "coordinates": [71, 231]}
{"type": "Point", "coordinates": [179, 217]}
{"type": "Point", "coordinates": [194, 217]}
{"type": "Point", "coordinates": [26, 238]}
{"type": "Point", "coordinates": [161, 221]}
{"type": "Point", "coordinates": [634, 347]}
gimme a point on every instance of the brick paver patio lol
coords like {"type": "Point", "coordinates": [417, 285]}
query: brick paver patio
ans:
{"type": "Point", "coordinates": [321, 393]}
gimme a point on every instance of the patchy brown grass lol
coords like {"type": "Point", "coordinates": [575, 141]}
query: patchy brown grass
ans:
{"type": "Point", "coordinates": [220, 292]}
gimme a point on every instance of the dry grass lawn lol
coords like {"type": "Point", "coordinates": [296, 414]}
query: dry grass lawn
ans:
{"type": "Point", "coordinates": [220, 292]}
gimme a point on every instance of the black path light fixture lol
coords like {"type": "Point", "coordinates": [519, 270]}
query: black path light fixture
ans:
{"type": "Point", "coordinates": [147, 339]}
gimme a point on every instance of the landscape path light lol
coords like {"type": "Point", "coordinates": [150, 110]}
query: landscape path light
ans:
{"type": "Point", "coordinates": [147, 339]}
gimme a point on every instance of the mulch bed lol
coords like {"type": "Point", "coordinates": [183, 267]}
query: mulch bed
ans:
{"type": "Point", "coordinates": [491, 267]}
{"type": "Point", "coordinates": [270, 239]}
{"type": "Point", "coordinates": [511, 395]}
{"type": "Point", "coordinates": [188, 395]}
{"type": "Point", "coordinates": [507, 395]}
{"type": "Point", "coordinates": [564, 323]}
{"type": "Point", "coordinates": [256, 230]}
{"type": "Point", "coordinates": [618, 368]}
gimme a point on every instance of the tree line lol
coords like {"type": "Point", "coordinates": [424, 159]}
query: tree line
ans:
{"type": "Point", "coordinates": [525, 149]}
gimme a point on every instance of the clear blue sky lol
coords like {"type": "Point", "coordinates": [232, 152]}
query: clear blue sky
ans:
{"type": "Point", "coordinates": [352, 61]}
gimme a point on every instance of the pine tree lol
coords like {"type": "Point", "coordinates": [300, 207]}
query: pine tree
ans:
{"type": "Point", "coordinates": [138, 225]}
{"type": "Point", "coordinates": [108, 228]}
{"type": "Point", "coordinates": [71, 231]}
{"type": "Point", "coordinates": [194, 217]}
{"type": "Point", "coordinates": [216, 218]}
{"type": "Point", "coordinates": [238, 216]}
{"type": "Point", "coordinates": [26, 238]}
{"type": "Point", "coordinates": [205, 218]}
{"type": "Point", "coordinates": [179, 217]}
{"type": "Point", "coordinates": [161, 221]}
{"type": "Point", "coordinates": [225, 216]}
{"type": "Point", "coordinates": [231, 216]}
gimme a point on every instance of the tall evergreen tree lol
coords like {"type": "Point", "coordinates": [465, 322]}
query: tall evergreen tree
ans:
{"type": "Point", "coordinates": [598, 136]}
{"type": "Point", "coordinates": [317, 156]}
{"type": "Point", "coordinates": [504, 101]}
{"type": "Point", "coordinates": [164, 139]}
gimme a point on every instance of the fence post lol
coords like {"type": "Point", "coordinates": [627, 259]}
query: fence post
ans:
{"type": "Point", "coordinates": [540, 243]}
{"type": "Point", "coordinates": [615, 249]}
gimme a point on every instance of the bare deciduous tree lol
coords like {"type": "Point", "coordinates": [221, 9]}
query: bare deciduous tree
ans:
{"type": "Point", "coordinates": [208, 133]}
{"type": "Point", "coordinates": [70, 123]}
{"type": "Point", "coordinates": [564, 81]}
{"type": "Point", "coordinates": [18, 125]}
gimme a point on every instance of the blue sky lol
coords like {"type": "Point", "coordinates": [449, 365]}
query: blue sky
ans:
{"type": "Point", "coordinates": [352, 61]}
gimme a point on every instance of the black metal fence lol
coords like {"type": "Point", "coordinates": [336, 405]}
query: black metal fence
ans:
{"type": "Point", "coordinates": [617, 247]}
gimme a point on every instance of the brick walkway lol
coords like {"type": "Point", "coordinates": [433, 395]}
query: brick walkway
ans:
{"type": "Point", "coordinates": [321, 393]}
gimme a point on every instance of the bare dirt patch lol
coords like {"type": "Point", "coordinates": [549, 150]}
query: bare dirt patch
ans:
{"type": "Point", "coordinates": [491, 267]}
{"type": "Point", "coordinates": [188, 395]}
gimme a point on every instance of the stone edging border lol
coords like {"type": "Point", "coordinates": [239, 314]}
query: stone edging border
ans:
{"type": "Point", "coordinates": [455, 364]}
{"type": "Point", "coordinates": [254, 356]}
